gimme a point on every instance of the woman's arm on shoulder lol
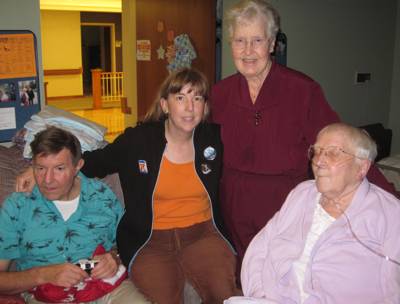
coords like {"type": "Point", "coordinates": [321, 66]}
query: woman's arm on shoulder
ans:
{"type": "Point", "coordinates": [105, 161]}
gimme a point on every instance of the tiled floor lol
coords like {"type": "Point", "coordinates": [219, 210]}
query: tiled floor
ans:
{"type": "Point", "coordinates": [109, 115]}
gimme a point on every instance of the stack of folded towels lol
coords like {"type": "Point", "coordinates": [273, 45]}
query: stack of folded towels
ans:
{"type": "Point", "coordinates": [89, 133]}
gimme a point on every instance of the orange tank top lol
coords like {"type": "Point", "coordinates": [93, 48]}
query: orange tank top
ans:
{"type": "Point", "coordinates": [180, 199]}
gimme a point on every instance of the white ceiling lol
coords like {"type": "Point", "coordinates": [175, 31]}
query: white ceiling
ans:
{"type": "Point", "coordinates": [82, 5]}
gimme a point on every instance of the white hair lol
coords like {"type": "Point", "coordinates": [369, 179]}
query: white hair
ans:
{"type": "Point", "coordinates": [359, 139]}
{"type": "Point", "coordinates": [248, 10]}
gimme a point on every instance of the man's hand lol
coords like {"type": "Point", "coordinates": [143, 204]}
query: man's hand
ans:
{"type": "Point", "coordinates": [25, 181]}
{"type": "Point", "coordinates": [106, 267]}
{"type": "Point", "coordinates": [65, 275]}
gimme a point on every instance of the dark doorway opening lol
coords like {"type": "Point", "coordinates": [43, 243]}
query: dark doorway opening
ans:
{"type": "Point", "coordinates": [96, 52]}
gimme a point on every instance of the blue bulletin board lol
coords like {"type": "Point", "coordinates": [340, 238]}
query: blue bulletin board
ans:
{"type": "Point", "coordinates": [19, 81]}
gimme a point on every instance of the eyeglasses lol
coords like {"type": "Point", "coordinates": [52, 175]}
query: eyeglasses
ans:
{"type": "Point", "coordinates": [255, 43]}
{"type": "Point", "coordinates": [333, 154]}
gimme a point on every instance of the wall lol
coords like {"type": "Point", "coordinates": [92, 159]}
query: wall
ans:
{"type": "Point", "coordinates": [330, 40]}
{"type": "Point", "coordinates": [129, 59]}
{"type": "Point", "coordinates": [394, 119]}
{"type": "Point", "coordinates": [227, 66]}
{"type": "Point", "coordinates": [199, 27]}
{"type": "Point", "coordinates": [61, 37]}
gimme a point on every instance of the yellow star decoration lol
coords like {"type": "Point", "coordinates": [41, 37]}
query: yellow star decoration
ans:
{"type": "Point", "coordinates": [160, 52]}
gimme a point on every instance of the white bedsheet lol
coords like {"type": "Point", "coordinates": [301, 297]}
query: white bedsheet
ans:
{"type": "Point", "coordinates": [89, 133]}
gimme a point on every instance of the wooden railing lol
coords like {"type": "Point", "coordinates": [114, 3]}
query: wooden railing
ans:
{"type": "Point", "coordinates": [111, 86]}
{"type": "Point", "coordinates": [106, 87]}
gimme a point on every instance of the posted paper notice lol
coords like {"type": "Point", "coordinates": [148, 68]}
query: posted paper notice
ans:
{"type": "Point", "coordinates": [7, 118]}
{"type": "Point", "coordinates": [143, 50]}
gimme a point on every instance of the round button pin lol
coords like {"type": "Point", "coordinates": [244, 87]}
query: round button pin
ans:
{"type": "Point", "coordinates": [210, 153]}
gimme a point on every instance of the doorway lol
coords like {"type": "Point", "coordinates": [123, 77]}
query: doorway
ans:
{"type": "Point", "coordinates": [98, 41]}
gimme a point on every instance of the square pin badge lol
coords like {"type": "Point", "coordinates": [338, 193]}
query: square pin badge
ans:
{"type": "Point", "coordinates": [143, 166]}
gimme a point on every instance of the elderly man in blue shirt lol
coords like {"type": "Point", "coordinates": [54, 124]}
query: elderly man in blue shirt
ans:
{"type": "Point", "coordinates": [67, 221]}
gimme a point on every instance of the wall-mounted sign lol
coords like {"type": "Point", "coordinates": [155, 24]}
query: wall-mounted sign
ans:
{"type": "Point", "coordinates": [143, 50]}
{"type": "Point", "coordinates": [19, 81]}
{"type": "Point", "coordinates": [7, 118]}
{"type": "Point", "coordinates": [17, 55]}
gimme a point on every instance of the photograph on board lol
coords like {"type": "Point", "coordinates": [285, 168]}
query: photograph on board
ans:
{"type": "Point", "coordinates": [8, 92]}
{"type": "Point", "coordinates": [28, 92]}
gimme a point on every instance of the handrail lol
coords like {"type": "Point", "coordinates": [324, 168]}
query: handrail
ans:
{"type": "Point", "coordinates": [106, 87]}
{"type": "Point", "coordinates": [59, 72]}
{"type": "Point", "coordinates": [111, 86]}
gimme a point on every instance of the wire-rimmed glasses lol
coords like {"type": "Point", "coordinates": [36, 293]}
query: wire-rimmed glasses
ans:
{"type": "Point", "coordinates": [332, 154]}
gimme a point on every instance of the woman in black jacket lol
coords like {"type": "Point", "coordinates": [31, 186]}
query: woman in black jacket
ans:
{"type": "Point", "coordinates": [169, 168]}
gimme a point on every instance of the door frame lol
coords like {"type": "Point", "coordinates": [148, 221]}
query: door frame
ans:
{"type": "Point", "coordinates": [112, 39]}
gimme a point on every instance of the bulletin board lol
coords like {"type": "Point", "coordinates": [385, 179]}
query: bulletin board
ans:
{"type": "Point", "coordinates": [19, 81]}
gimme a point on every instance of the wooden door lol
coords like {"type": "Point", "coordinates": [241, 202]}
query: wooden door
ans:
{"type": "Point", "coordinates": [193, 17]}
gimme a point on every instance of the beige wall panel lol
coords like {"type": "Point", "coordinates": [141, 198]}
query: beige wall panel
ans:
{"type": "Point", "coordinates": [61, 44]}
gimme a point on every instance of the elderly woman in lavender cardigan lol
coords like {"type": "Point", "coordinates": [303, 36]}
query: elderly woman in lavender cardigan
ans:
{"type": "Point", "coordinates": [336, 238]}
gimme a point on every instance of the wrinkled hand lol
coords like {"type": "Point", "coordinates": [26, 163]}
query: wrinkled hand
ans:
{"type": "Point", "coordinates": [25, 181]}
{"type": "Point", "coordinates": [106, 267]}
{"type": "Point", "coordinates": [65, 275]}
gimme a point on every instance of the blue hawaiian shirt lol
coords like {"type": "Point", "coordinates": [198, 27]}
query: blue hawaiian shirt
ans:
{"type": "Point", "coordinates": [34, 233]}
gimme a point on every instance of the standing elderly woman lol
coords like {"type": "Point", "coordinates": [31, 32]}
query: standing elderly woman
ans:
{"type": "Point", "coordinates": [269, 115]}
{"type": "Point", "coordinates": [336, 238]}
